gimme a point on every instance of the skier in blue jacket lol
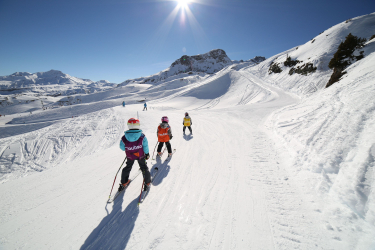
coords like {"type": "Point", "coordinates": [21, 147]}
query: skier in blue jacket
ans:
{"type": "Point", "coordinates": [145, 107]}
{"type": "Point", "coordinates": [135, 145]}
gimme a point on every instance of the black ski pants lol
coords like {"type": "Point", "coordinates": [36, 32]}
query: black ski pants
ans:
{"type": "Point", "coordinates": [168, 144]}
{"type": "Point", "coordinates": [188, 128]}
{"type": "Point", "coordinates": [142, 165]}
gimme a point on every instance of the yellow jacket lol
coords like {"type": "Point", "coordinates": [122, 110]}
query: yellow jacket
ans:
{"type": "Point", "coordinates": [187, 121]}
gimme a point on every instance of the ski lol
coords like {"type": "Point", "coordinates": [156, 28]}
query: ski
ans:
{"type": "Point", "coordinates": [118, 194]}
{"type": "Point", "coordinates": [157, 155]}
{"type": "Point", "coordinates": [170, 156]}
{"type": "Point", "coordinates": [110, 200]}
{"type": "Point", "coordinates": [143, 194]}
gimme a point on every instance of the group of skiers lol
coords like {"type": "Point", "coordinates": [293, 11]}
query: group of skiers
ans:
{"type": "Point", "coordinates": [144, 105]}
{"type": "Point", "coordinates": [135, 145]}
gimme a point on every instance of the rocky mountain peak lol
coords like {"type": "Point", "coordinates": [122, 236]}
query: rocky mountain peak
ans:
{"type": "Point", "coordinates": [211, 62]}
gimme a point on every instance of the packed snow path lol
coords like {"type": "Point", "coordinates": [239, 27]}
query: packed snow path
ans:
{"type": "Point", "coordinates": [227, 186]}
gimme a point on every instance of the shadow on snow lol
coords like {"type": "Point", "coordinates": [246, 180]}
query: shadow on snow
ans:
{"type": "Point", "coordinates": [188, 137]}
{"type": "Point", "coordinates": [164, 169]}
{"type": "Point", "coordinates": [114, 231]}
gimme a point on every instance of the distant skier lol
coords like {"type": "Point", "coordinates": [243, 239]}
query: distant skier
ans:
{"type": "Point", "coordinates": [135, 145]}
{"type": "Point", "coordinates": [164, 133]}
{"type": "Point", "coordinates": [145, 107]}
{"type": "Point", "coordinates": [187, 122]}
{"type": "Point", "coordinates": [123, 103]}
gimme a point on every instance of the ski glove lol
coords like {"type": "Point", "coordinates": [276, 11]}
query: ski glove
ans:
{"type": "Point", "coordinates": [147, 156]}
{"type": "Point", "coordinates": [171, 137]}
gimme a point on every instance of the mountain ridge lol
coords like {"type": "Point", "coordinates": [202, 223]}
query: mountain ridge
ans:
{"type": "Point", "coordinates": [207, 63]}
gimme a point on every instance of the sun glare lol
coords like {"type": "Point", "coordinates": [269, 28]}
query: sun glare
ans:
{"type": "Point", "coordinates": [183, 3]}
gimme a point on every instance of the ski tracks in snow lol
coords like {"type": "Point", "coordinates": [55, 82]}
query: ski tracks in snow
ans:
{"type": "Point", "coordinates": [63, 141]}
{"type": "Point", "coordinates": [227, 188]}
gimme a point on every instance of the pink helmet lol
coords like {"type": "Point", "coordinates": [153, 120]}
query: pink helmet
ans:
{"type": "Point", "coordinates": [164, 119]}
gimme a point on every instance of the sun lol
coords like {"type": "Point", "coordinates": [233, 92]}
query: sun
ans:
{"type": "Point", "coordinates": [183, 3]}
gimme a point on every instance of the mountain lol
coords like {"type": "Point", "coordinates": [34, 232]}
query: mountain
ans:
{"type": "Point", "coordinates": [255, 60]}
{"type": "Point", "coordinates": [52, 83]}
{"type": "Point", "coordinates": [208, 63]}
{"type": "Point", "coordinates": [306, 71]}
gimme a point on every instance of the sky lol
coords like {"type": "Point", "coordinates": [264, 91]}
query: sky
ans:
{"type": "Point", "coordinates": [116, 40]}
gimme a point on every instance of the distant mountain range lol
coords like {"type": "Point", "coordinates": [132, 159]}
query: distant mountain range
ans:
{"type": "Point", "coordinates": [52, 82]}
{"type": "Point", "coordinates": [56, 83]}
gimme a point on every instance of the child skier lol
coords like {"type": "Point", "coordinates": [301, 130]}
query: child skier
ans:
{"type": "Point", "coordinates": [135, 145]}
{"type": "Point", "coordinates": [164, 134]}
{"type": "Point", "coordinates": [187, 122]}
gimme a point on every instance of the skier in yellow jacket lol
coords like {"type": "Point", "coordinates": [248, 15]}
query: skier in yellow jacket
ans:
{"type": "Point", "coordinates": [187, 122]}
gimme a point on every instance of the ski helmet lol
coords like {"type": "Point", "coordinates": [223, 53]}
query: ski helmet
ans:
{"type": "Point", "coordinates": [164, 119]}
{"type": "Point", "coordinates": [134, 123]}
{"type": "Point", "coordinates": [186, 114]}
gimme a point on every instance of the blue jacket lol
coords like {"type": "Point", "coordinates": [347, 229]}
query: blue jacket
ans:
{"type": "Point", "coordinates": [145, 105]}
{"type": "Point", "coordinates": [133, 135]}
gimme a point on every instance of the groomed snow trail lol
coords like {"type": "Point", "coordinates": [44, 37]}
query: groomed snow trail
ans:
{"type": "Point", "coordinates": [227, 186]}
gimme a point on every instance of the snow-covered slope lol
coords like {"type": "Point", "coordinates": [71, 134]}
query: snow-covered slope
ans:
{"type": "Point", "coordinates": [332, 135]}
{"type": "Point", "coordinates": [265, 169]}
{"type": "Point", "coordinates": [318, 51]}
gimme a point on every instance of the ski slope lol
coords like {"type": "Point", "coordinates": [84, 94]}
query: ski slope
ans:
{"type": "Point", "coordinates": [228, 186]}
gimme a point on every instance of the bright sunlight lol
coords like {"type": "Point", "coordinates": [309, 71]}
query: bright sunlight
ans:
{"type": "Point", "coordinates": [183, 3]}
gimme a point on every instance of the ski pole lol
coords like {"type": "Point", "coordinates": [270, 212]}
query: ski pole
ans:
{"type": "Point", "coordinates": [116, 177]}
{"type": "Point", "coordinates": [154, 151]}
{"type": "Point", "coordinates": [143, 183]}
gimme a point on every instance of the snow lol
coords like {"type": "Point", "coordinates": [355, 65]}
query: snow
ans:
{"type": "Point", "coordinates": [275, 162]}
{"type": "Point", "coordinates": [318, 51]}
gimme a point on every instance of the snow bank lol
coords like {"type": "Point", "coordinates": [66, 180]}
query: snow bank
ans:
{"type": "Point", "coordinates": [332, 134]}
{"type": "Point", "coordinates": [318, 51]}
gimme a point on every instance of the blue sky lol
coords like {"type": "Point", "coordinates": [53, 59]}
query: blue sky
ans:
{"type": "Point", "coordinates": [117, 40]}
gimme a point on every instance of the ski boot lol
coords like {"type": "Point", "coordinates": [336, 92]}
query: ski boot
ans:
{"type": "Point", "coordinates": [146, 187]}
{"type": "Point", "coordinates": [122, 186]}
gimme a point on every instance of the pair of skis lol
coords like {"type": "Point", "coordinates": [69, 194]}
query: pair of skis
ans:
{"type": "Point", "coordinates": [143, 193]}
{"type": "Point", "coordinates": [111, 199]}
